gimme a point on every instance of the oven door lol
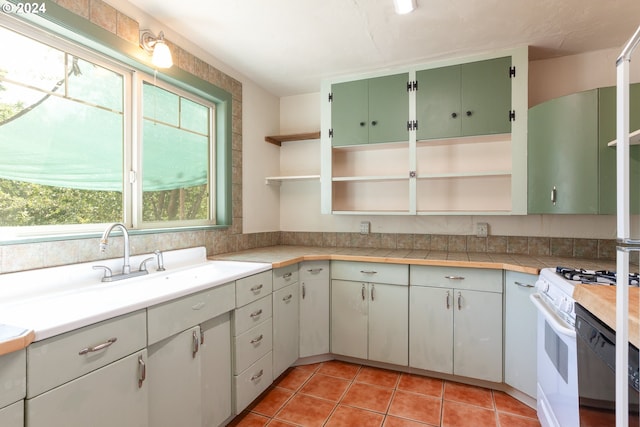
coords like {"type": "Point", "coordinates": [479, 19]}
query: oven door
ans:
{"type": "Point", "coordinates": [557, 369]}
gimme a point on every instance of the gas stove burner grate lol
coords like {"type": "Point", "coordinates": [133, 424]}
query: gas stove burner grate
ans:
{"type": "Point", "coordinates": [601, 277]}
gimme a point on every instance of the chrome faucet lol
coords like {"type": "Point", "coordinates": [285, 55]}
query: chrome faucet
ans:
{"type": "Point", "coordinates": [104, 241]}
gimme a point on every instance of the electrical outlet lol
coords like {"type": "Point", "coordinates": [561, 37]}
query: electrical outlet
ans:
{"type": "Point", "coordinates": [365, 227]}
{"type": "Point", "coordinates": [482, 229]}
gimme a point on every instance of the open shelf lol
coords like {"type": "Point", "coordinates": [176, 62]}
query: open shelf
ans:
{"type": "Point", "coordinates": [634, 139]}
{"type": "Point", "coordinates": [280, 179]}
{"type": "Point", "coordinates": [279, 139]}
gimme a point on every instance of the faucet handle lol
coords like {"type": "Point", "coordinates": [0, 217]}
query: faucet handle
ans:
{"type": "Point", "coordinates": [143, 264]}
{"type": "Point", "coordinates": [107, 272]}
{"type": "Point", "coordinates": [160, 260]}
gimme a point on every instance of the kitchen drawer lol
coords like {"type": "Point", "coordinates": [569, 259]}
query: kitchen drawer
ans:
{"type": "Point", "coordinates": [478, 279]}
{"type": "Point", "coordinates": [285, 276]}
{"type": "Point", "coordinates": [249, 289]}
{"type": "Point", "coordinates": [12, 415]}
{"type": "Point", "coordinates": [13, 377]}
{"type": "Point", "coordinates": [178, 315]}
{"type": "Point", "coordinates": [374, 272]}
{"type": "Point", "coordinates": [251, 315]}
{"type": "Point", "coordinates": [314, 270]}
{"type": "Point", "coordinates": [253, 381]}
{"type": "Point", "coordinates": [107, 397]}
{"type": "Point", "coordinates": [59, 359]}
{"type": "Point", "coordinates": [252, 345]}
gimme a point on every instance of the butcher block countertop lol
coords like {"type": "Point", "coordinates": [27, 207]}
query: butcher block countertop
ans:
{"type": "Point", "coordinates": [601, 302]}
{"type": "Point", "coordinates": [281, 256]}
{"type": "Point", "coordinates": [13, 338]}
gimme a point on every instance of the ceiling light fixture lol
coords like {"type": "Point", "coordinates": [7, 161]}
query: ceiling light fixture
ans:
{"type": "Point", "coordinates": [157, 48]}
{"type": "Point", "coordinates": [404, 6]}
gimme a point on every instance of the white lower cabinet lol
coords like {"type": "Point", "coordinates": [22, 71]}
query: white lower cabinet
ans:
{"type": "Point", "coordinates": [520, 355]}
{"type": "Point", "coordinates": [456, 330]}
{"type": "Point", "coordinates": [370, 320]}
{"type": "Point", "coordinates": [114, 395]}
{"type": "Point", "coordinates": [12, 415]}
{"type": "Point", "coordinates": [215, 355]}
{"type": "Point", "coordinates": [314, 308]}
{"type": "Point", "coordinates": [13, 380]}
{"type": "Point", "coordinates": [285, 328]}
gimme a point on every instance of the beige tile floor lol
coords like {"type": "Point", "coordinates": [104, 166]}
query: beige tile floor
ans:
{"type": "Point", "coordinates": [335, 393]}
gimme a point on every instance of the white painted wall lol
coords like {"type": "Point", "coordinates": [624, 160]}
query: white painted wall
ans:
{"type": "Point", "coordinates": [300, 201]}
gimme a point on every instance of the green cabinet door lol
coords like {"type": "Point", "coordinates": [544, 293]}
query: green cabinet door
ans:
{"type": "Point", "coordinates": [464, 100]}
{"type": "Point", "coordinates": [607, 155]}
{"type": "Point", "coordinates": [438, 103]}
{"type": "Point", "coordinates": [486, 97]}
{"type": "Point", "coordinates": [350, 113]}
{"type": "Point", "coordinates": [388, 108]}
{"type": "Point", "coordinates": [563, 155]}
{"type": "Point", "coordinates": [370, 111]}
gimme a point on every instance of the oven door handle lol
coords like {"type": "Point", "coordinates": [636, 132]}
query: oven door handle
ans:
{"type": "Point", "coordinates": [554, 321]}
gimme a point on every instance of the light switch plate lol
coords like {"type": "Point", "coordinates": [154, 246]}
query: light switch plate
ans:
{"type": "Point", "coordinates": [482, 229]}
{"type": "Point", "coordinates": [365, 227]}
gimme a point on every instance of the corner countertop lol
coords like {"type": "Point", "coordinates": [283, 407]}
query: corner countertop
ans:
{"type": "Point", "coordinates": [14, 338]}
{"type": "Point", "coordinates": [601, 302]}
{"type": "Point", "coordinates": [281, 256]}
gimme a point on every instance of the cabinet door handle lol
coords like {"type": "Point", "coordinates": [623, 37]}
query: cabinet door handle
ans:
{"type": "Point", "coordinates": [256, 313]}
{"type": "Point", "coordinates": [256, 288]}
{"type": "Point", "coordinates": [554, 195]}
{"type": "Point", "coordinates": [258, 375]}
{"type": "Point", "coordinates": [287, 298]}
{"type": "Point", "coordinates": [368, 272]}
{"type": "Point", "coordinates": [374, 122]}
{"type": "Point", "coordinates": [524, 285]}
{"type": "Point", "coordinates": [201, 336]}
{"type": "Point", "coordinates": [286, 276]}
{"type": "Point", "coordinates": [454, 115]}
{"type": "Point", "coordinates": [256, 339]}
{"type": "Point", "coordinates": [363, 290]}
{"type": "Point", "coordinates": [304, 291]}
{"type": "Point", "coordinates": [459, 301]}
{"type": "Point", "coordinates": [373, 298]}
{"type": "Point", "coordinates": [314, 270]}
{"type": "Point", "coordinates": [454, 277]}
{"type": "Point", "coordinates": [142, 371]}
{"type": "Point", "coordinates": [469, 113]}
{"type": "Point", "coordinates": [195, 344]}
{"type": "Point", "coordinates": [362, 124]}
{"type": "Point", "coordinates": [448, 300]}
{"type": "Point", "coordinates": [98, 347]}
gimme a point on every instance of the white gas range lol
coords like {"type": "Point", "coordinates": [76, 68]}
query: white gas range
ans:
{"type": "Point", "coordinates": [557, 400]}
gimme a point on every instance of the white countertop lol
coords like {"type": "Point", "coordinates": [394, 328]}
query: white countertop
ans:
{"type": "Point", "coordinates": [56, 300]}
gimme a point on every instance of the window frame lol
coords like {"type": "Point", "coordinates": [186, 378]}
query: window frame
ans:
{"type": "Point", "coordinates": [65, 30]}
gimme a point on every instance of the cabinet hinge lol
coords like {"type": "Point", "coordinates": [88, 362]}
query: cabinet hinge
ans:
{"type": "Point", "coordinates": [412, 85]}
{"type": "Point", "coordinates": [330, 133]}
{"type": "Point", "coordinates": [330, 96]}
{"type": "Point", "coordinates": [512, 115]}
{"type": "Point", "coordinates": [512, 71]}
{"type": "Point", "coordinates": [412, 125]}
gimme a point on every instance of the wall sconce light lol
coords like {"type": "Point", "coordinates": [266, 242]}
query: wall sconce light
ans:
{"type": "Point", "coordinates": [157, 48]}
{"type": "Point", "coordinates": [404, 6]}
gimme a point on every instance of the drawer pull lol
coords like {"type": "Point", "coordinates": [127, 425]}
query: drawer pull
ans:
{"type": "Point", "coordinates": [368, 272]}
{"type": "Point", "coordinates": [256, 313]}
{"type": "Point", "coordinates": [142, 371]}
{"type": "Point", "coordinates": [258, 375]}
{"type": "Point", "coordinates": [524, 285]}
{"type": "Point", "coordinates": [314, 270]}
{"type": "Point", "coordinates": [196, 344]}
{"type": "Point", "coordinates": [287, 298]}
{"type": "Point", "coordinates": [286, 276]}
{"type": "Point", "coordinates": [454, 277]}
{"type": "Point", "coordinates": [98, 347]}
{"type": "Point", "coordinates": [257, 339]}
{"type": "Point", "coordinates": [256, 288]}
{"type": "Point", "coordinates": [198, 306]}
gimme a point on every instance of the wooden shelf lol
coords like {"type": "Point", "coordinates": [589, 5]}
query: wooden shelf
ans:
{"type": "Point", "coordinates": [634, 139]}
{"type": "Point", "coordinates": [279, 179]}
{"type": "Point", "coordinates": [279, 139]}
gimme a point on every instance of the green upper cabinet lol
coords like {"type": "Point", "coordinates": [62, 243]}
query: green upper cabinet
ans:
{"type": "Point", "coordinates": [562, 160]}
{"type": "Point", "coordinates": [464, 100]}
{"type": "Point", "coordinates": [370, 111]}
{"type": "Point", "coordinates": [607, 155]}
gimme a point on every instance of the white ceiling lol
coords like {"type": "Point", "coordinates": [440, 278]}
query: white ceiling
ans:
{"type": "Point", "coordinates": [288, 46]}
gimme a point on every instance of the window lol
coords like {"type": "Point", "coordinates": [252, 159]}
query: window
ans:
{"type": "Point", "coordinates": [74, 155]}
